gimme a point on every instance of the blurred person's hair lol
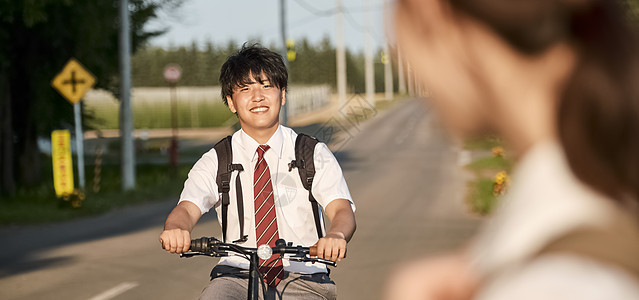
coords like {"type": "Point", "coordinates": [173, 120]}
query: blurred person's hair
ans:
{"type": "Point", "coordinates": [598, 115]}
{"type": "Point", "coordinates": [252, 61]}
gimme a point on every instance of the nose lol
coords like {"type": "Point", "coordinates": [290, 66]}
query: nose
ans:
{"type": "Point", "coordinates": [258, 95]}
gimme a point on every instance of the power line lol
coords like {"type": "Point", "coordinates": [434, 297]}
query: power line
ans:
{"type": "Point", "coordinates": [348, 11]}
{"type": "Point", "coordinates": [315, 11]}
{"type": "Point", "coordinates": [373, 32]}
{"type": "Point", "coordinates": [332, 11]}
{"type": "Point", "coordinates": [353, 22]}
{"type": "Point", "coordinates": [325, 13]}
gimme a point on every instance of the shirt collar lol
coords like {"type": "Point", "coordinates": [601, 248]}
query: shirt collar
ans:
{"type": "Point", "coordinates": [545, 202]}
{"type": "Point", "coordinates": [249, 145]}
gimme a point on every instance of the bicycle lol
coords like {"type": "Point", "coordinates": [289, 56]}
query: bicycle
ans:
{"type": "Point", "coordinates": [210, 246]}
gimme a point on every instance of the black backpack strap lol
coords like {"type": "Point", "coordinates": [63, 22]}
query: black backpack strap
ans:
{"type": "Point", "coordinates": [225, 167]}
{"type": "Point", "coordinates": [305, 164]}
{"type": "Point", "coordinates": [240, 201]}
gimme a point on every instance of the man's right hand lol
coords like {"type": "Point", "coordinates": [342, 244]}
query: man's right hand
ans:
{"type": "Point", "coordinates": [175, 240]}
{"type": "Point", "coordinates": [176, 237]}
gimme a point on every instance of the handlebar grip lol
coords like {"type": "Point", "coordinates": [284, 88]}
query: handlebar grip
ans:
{"type": "Point", "coordinates": [196, 245]}
{"type": "Point", "coordinates": [202, 244]}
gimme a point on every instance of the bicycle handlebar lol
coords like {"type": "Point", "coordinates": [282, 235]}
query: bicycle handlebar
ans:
{"type": "Point", "coordinates": [210, 246]}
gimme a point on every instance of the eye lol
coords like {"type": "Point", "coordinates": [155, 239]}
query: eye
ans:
{"type": "Point", "coordinates": [244, 89]}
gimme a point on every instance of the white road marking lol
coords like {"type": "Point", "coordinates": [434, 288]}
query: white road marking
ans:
{"type": "Point", "coordinates": [115, 291]}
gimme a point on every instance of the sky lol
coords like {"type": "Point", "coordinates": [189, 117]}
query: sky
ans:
{"type": "Point", "coordinates": [221, 21]}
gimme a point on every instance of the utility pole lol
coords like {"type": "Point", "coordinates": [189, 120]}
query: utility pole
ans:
{"type": "Point", "coordinates": [341, 55]}
{"type": "Point", "coordinates": [400, 73]}
{"type": "Point", "coordinates": [369, 69]}
{"type": "Point", "coordinates": [79, 142]}
{"type": "Point", "coordinates": [387, 60]}
{"type": "Point", "coordinates": [126, 115]}
{"type": "Point", "coordinates": [284, 111]}
{"type": "Point", "coordinates": [388, 73]}
{"type": "Point", "coordinates": [411, 82]}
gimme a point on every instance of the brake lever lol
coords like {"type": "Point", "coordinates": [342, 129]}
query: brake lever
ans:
{"type": "Point", "coordinates": [313, 260]}
{"type": "Point", "coordinates": [190, 254]}
{"type": "Point", "coordinates": [325, 261]}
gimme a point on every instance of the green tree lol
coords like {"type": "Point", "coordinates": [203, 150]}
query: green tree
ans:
{"type": "Point", "coordinates": [37, 38]}
{"type": "Point", "coordinates": [314, 64]}
{"type": "Point", "coordinates": [633, 9]}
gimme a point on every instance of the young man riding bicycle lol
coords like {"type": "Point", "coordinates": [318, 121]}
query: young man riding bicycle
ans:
{"type": "Point", "coordinates": [274, 202]}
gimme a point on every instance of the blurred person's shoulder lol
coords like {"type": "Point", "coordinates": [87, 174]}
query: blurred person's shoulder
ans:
{"type": "Point", "coordinates": [590, 262]}
{"type": "Point", "coordinates": [562, 276]}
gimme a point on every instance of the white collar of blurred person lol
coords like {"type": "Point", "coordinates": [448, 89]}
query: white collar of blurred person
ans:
{"type": "Point", "coordinates": [545, 202]}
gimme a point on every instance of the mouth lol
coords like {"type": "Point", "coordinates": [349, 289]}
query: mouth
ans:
{"type": "Point", "coordinates": [259, 109]}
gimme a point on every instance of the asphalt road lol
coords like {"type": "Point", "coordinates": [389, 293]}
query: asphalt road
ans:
{"type": "Point", "coordinates": [404, 178]}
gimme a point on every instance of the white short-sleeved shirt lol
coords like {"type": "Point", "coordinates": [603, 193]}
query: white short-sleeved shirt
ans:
{"type": "Point", "coordinates": [294, 214]}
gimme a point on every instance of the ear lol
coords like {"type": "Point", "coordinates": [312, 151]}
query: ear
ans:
{"type": "Point", "coordinates": [283, 97]}
{"type": "Point", "coordinates": [229, 101]}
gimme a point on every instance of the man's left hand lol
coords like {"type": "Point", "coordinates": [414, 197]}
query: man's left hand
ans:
{"type": "Point", "coordinates": [332, 247]}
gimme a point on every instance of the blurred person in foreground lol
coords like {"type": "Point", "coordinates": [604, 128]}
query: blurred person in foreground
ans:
{"type": "Point", "coordinates": [555, 79]}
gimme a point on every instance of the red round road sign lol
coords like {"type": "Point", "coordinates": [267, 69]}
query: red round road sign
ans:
{"type": "Point", "coordinates": [172, 73]}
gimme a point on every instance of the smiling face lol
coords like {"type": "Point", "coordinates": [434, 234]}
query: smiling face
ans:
{"type": "Point", "coordinates": [257, 104]}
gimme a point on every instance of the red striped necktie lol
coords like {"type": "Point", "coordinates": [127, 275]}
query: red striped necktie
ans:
{"type": "Point", "coordinates": [265, 218]}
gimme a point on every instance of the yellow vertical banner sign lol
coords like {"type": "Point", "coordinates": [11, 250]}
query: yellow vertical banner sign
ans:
{"type": "Point", "coordinates": [62, 163]}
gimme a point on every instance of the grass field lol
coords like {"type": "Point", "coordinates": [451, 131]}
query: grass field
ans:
{"type": "Point", "coordinates": [39, 204]}
{"type": "Point", "coordinates": [196, 108]}
{"type": "Point", "coordinates": [154, 182]}
{"type": "Point", "coordinates": [480, 196]}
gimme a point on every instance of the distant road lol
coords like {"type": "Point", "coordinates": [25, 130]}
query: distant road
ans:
{"type": "Point", "coordinates": [403, 176]}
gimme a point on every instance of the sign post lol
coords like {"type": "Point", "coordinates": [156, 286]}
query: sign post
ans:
{"type": "Point", "coordinates": [172, 74]}
{"type": "Point", "coordinates": [73, 82]}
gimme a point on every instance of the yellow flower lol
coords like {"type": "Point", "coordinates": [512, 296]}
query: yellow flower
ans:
{"type": "Point", "coordinates": [498, 151]}
{"type": "Point", "coordinates": [501, 177]}
{"type": "Point", "coordinates": [501, 181]}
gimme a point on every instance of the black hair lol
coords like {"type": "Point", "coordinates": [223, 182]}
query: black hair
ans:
{"type": "Point", "coordinates": [251, 61]}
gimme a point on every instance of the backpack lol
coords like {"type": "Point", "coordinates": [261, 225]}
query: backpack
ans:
{"type": "Point", "coordinates": [304, 151]}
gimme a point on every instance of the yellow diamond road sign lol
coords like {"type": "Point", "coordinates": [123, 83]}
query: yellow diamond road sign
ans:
{"type": "Point", "coordinates": [74, 81]}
